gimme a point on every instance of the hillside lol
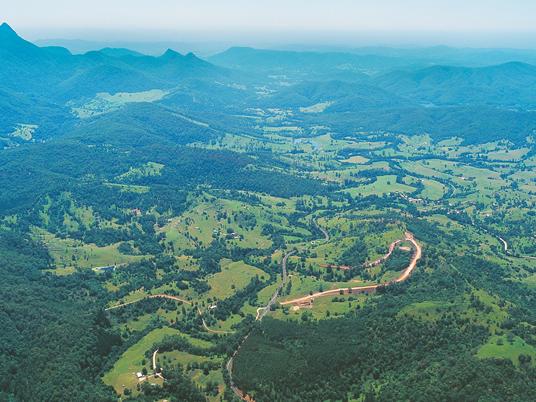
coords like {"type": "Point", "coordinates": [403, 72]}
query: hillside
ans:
{"type": "Point", "coordinates": [507, 85]}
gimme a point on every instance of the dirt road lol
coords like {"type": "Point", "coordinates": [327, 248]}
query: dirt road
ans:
{"type": "Point", "coordinates": [385, 257]}
{"type": "Point", "coordinates": [229, 366]}
{"type": "Point", "coordinates": [164, 296]}
{"type": "Point", "coordinates": [504, 243]}
{"type": "Point", "coordinates": [371, 288]}
{"type": "Point", "coordinates": [124, 304]}
{"type": "Point", "coordinates": [176, 298]}
{"type": "Point", "coordinates": [158, 296]}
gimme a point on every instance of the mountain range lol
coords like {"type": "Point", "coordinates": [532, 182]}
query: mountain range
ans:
{"type": "Point", "coordinates": [402, 90]}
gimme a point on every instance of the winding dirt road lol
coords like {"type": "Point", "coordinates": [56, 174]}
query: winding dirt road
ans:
{"type": "Point", "coordinates": [392, 247]}
{"type": "Point", "coordinates": [371, 288]}
{"type": "Point", "coordinates": [176, 298]}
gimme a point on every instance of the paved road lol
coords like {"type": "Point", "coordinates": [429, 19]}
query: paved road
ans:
{"type": "Point", "coordinates": [154, 359]}
{"type": "Point", "coordinates": [229, 366]}
{"type": "Point", "coordinates": [261, 312]}
{"type": "Point", "coordinates": [506, 247]}
{"type": "Point", "coordinates": [324, 231]}
{"type": "Point", "coordinates": [371, 288]}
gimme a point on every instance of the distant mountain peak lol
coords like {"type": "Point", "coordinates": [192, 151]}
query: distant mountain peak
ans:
{"type": "Point", "coordinates": [9, 39]}
{"type": "Point", "coordinates": [5, 25]}
{"type": "Point", "coordinates": [6, 31]}
{"type": "Point", "coordinates": [171, 53]}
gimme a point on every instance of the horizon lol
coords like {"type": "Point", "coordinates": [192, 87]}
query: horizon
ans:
{"type": "Point", "coordinates": [385, 23]}
{"type": "Point", "coordinates": [206, 47]}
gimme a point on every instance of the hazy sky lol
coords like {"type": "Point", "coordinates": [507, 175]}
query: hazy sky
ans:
{"type": "Point", "coordinates": [489, 22]}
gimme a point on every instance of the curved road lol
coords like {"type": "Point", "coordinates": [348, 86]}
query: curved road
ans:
{"type": "Point", "coordinates": [176, 298]}
{"type": "Point", "coordinates": [324, 231]}
{"type": "Point", "coordinates": [371, 288]}
{"type": "Point", "coordinates": [262, 311]}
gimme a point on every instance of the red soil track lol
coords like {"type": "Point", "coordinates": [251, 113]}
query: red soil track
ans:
{"type": "Point", "coordinates": [371, 288]}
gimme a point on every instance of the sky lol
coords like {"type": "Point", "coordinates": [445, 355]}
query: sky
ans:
{"type": "Point", "coordinates": [485, 23]}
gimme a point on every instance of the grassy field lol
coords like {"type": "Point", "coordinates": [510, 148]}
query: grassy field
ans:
{"type": "Point", "coordinates": [131, 297]}
{"type": "Point", "coordinates": [508, 154]}
{"type": "Point", "coordinates": [69, 253]}
{"type": "Point", "coordinates": [24, 131]}
{"type": "Point", "coordinates": [304, 285]}
{"type": "Point", "coordinates": [233, 277]}
{"type": "Point", "coordinates": [433, 190]}
{"type": "Point", "coordinates": [146, 170]}
{"type": "Point", "coordinates": [183, 358]}
{"type": "Point", "coordinates": [383, 185]}
{"type": "Point", "coordinates": [324, 307]}
{"type": "Point", "coordinates": [358, 160]}
{"type": "Point", "coordinates": [129, 188]}
{"type": "Point", "coordinates": [105, 103]}
{"type": "Point", "coordinates": [491, 316]}
{"type": "Point", "coordinates": [530, 281]}
{"type": "Point", "coordinates": [501, 347]}
{"type": "Point", "coordinates": [123, 373]}
{"type": "Point", "coordinates": [141, 322]}
{"type": "Point", "coordinates": [241, 224]}
{"type": "Point", "coordinates": [428, 310]}
{"type": "Point", "coordinates": [316, 108]}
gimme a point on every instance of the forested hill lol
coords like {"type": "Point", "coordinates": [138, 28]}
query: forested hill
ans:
{"type": "Point", "coordinates": [49, 79]}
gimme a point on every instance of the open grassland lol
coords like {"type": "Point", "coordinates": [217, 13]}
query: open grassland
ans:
{"type": "Point", "coordinates": [303, 285]}
{"type": "Point", "coordinates": [480, 307]}
{"type": "Point", "coordinates": [507, 348]}
{"type": "Point", "coordinates": [233, 277]}
{"type": "Point", "coordinates": [508, 154]}
{"type": "Point", "coordinates": [143, 321]}
{"type": "Point", "coordinates": [239, 223]}
{"type": "Point", "coordinates": [129, 188]}
{"type": "Point", "coordinates": [105, 102]}
{"type": "Point", "coordinates": [358, 160]}
{"type": "Point", "coordinates": [123, 373]}
{"type": "Point", "coordinates": [183, 358]}
{"type": "Point", "coordinates": [383, 185]}
{"type": "Point", "coordinates": [146, 170]}
{"type": "Point", "coordinates": [69, 253]}
{"type": "Point", "coordinates": [323, 308]}
{"type": "Point", "coordinates": [24, 131]}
